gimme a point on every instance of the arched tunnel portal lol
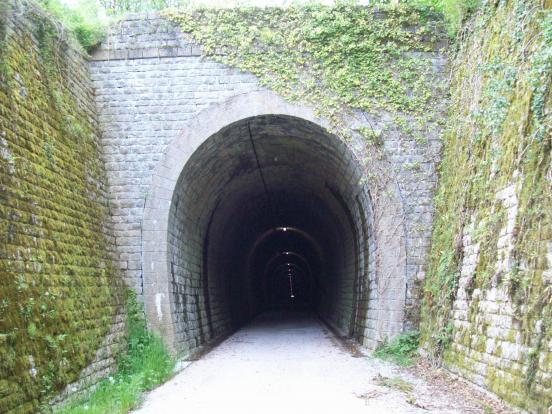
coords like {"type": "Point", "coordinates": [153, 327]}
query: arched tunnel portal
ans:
{"type": "Point", "coordinates": [269, 212]}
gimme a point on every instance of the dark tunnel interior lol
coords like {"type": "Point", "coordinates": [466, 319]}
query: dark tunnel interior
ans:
{"type": "Point", "coordinates": [269, 213]}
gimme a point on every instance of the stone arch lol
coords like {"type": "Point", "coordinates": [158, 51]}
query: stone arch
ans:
{"type": "Point", "coordinates": [384, 261]}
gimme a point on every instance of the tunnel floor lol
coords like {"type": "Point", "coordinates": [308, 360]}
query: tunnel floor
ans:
{"type": "Point", "coordinates": [288, 361]}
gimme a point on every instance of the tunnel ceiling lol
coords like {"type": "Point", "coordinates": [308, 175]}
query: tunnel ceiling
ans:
{"type": "Point", "coordinates": [264, 197]}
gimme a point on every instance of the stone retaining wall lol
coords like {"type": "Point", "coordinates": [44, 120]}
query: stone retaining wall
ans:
{"type": "Point", "coordinates": [60, 295]}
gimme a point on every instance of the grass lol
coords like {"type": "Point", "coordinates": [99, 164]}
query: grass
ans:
{"type": "Point", "coordinates": [83, 21]}
{"type": "Point", "coordinates": [402, 350]}
{"type": "Point", "coordinates": [455, 12]}
{"type": "Point", "coordinates": [145, 365]}
{"type": "Point", "coordinates": [88, 20]}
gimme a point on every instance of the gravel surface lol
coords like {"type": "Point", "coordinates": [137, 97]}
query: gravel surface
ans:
{"type": "Point", "coordinates": [290, 361]}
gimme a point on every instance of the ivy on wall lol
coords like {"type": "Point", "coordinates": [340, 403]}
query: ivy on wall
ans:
{"type": "Point", "coordinates": [89, 19]}
{"type": "Point", "coordinates": [499, 134]}
{"type": "Point", "coordinates": [340, 59]}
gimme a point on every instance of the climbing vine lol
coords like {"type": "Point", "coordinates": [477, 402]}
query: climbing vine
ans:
{"type": "Point", "coordinates": [341, 59]}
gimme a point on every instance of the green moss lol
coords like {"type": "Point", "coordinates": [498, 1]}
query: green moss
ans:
{"type": "Point", "coordinates": [59, 290]}
{"type": "Point", "coordinates": [498, 136]}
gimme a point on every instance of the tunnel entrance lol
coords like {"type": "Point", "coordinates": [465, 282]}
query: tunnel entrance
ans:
{"type": "Point", "coordinates": [255, 207]}
{"type": "Point", "coordinates": [270, 212]}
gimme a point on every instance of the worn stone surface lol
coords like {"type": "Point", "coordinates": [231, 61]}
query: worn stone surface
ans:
{"type": "Point", "coordinates": [487, 300]}
{"type": "Point", "coordinates": [60, 294]}
{"type": "Point", "coordinates": [487, 326]}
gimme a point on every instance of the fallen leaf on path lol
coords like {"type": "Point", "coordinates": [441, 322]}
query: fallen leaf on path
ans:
{"type": "Point", "coordinates": [413, 401]}
{"type": "Point", "coordinates": [369, 394]}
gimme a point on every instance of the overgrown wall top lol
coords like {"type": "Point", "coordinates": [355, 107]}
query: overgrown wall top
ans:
{"type": "Point", "coordinates": [487, 298]}
{"type": "Point", "coordinates": [58, 291]}
{"type": "Point", "coordinates": [154, 76]}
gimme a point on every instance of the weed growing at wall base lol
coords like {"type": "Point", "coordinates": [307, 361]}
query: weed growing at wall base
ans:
{"type": "Point", "coordinates": [402, 350]}
{"type": "Point", "coordinates": [145, 365]}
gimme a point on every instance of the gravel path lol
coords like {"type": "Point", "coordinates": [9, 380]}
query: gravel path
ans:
{"type": "Point", "coordinates": [291, 362]}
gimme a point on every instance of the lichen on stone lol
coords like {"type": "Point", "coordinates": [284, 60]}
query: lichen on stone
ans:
{"type": "Point", "coordinates": [59, 289]}
{"type": "Point", "coordinates": [494, 187]}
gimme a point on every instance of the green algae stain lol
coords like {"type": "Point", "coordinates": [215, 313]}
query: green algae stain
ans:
{"type": "Point", "coordinates": [499, 134]}
{"type": "Point", "coordinates": [59, 289]}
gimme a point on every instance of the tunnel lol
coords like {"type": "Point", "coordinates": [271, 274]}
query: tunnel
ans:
{"type": "Point", "coordinates": [270, 213]}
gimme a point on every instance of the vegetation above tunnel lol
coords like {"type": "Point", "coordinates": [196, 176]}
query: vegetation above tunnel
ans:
{"type": "Point", "coordinates": [338, 58]}
{"type": "Point", "coordinates": [344, 60]}
{"type": "Point", "coordinates": [88, 19]}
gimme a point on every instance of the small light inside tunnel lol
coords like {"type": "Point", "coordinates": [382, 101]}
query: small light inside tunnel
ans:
{"type": "Point", "coordinates": [291, 295]}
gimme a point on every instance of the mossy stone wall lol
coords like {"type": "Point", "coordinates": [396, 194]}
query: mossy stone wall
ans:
{"type": "Point", "coordinates": [487, 297]}
{"type": "Point", "coordinates": [59, 294]}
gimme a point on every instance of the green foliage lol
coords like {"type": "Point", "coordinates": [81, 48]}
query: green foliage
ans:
{"type": "Point", "coordinates": [339, 59]}
{"type": "Point", "coordinates": [541, 68]}
{"type": "Point", "coordinates": [402, 350]}
{"type": "Point", "coordinates": [5, 70]}
{"type": "Point", "coordinates": [147, 356]}
{"type": "Point", "coordinates": [455, 12]}
{"type": "Point", "coordinates": [118, 7]}
{"type": "Point", "coordinates": [145, 364]}
{"type": "Point", "coordinates": [443, 337]}
{"type": "Point", "coordinates": [496, 95]}
{"type": "Point", "coordinates": [371, 136]}
{"type": "Point", "coordinates": [88, 19]}
{"type": "Point", "coordinates": [82, 21]}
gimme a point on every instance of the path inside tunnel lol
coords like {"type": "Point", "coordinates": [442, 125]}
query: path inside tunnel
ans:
{"type": "Point", "coordinates": [287, 361]}
{"type": "Point", "coordinates": [270, 212]}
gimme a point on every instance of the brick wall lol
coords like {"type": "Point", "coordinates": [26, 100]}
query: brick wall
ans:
{"type": "Point", "coordinates": [488, 292]}
{"type": "Point", "coordinates": [151, 83]}
{"type": "Point", "coordinates": [60, 295]}
{"type": "Point", "coordinates": [492, 343]}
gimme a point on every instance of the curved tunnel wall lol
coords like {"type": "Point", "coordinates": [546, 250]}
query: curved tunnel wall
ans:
{"type": "Point", "coordinates": [190, 204]}
{"type": "Point", "coordinates": [265, 206]}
